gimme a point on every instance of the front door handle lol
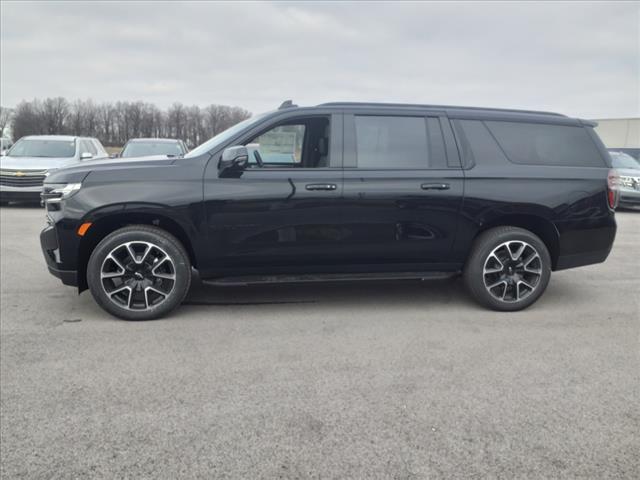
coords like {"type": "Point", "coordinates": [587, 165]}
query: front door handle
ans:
{"type": "Point", "coordinates": [435, 186]}
{"type": "Point", "coordinates": [321, 186]}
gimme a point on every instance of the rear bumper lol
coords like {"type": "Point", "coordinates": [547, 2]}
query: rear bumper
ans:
{"type": "Point", "coordinates": [581, 259]}
{"type": "Point", "coordinates": [586, 242]}
{"type": "Point", "coordinates": [51, 252]}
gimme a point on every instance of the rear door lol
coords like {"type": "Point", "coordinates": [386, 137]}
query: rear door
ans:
{"type": "Point", "coordinates": [403, 187]}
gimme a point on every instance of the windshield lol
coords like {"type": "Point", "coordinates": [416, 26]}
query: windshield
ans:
{"type": "Point", "coordinates": [622, 160]}
{"type": "Point", "coordinates": [33, 147]}
{"type": "Point", "coordinates": [224, 136]}
{"type": "Point", "coordinates": [140, 149]}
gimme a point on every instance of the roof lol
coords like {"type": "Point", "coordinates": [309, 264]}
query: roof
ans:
{"type": "Point", "coordinates": [457, 108]}
{"type": "Point", "coordinates": [157, 140]}
{"type": "Point", "coordinates": [54, 137]}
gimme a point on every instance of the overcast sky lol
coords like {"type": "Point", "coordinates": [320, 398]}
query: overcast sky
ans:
{"type": "Point", "coordinates": [580, 59]}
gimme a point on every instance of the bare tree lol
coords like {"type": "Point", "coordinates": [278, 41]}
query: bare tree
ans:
{"type": "Point", "coordinates": [114, 124]}
{"type": "Point", "coordinates": [27, 119]}
{"type": "Point", "coordinates": [5, 118]}
{"type": "Point", "coordinates": [54, 113]}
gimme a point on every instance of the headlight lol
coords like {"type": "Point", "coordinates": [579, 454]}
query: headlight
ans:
{"type": "Point", "coordinates": [55, 192]}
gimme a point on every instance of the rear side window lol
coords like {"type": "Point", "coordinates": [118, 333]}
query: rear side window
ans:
{"type": "Point", "coordinates": [541, 144]}
{"type": "Point", "coordinates": [477, 146]}
{"type": "Point", "coordinates": [391, 142]}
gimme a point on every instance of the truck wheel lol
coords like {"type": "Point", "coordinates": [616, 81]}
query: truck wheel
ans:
{"type": "Point", "coordinates": [139, 273]}
{"type": "Point", "coordinates": [508, 269]}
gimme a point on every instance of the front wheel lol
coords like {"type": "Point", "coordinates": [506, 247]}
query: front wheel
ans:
{"type": "Point", "coordinates": [508, 268]}
{"type": "Point", "coordinates": [139, 273]}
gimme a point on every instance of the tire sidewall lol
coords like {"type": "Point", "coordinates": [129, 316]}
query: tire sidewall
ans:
{"type": "Point", "coordinates": [162, 239]}
{"type": "Point", "coordinates": [474, 271]}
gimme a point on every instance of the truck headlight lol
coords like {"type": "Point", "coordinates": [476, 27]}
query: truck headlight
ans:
{"type": "Point", "coordinates": [56, 192]}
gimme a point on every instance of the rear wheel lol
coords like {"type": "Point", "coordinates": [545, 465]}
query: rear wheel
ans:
{"type": "Point", "coordinates": [139, 273]}
{"type": "Point", "coordinates": [508, 268]}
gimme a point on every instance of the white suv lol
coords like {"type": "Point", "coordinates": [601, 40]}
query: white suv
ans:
{"type": "Point", "coordinates": [30, 159]}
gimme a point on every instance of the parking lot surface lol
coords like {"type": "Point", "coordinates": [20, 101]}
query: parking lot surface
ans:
{"type": "Point", "coordinates": [345, 380]}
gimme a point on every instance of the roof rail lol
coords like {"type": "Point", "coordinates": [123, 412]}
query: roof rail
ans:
{"type": "Point", "coordinates": [287, 104]}
{"type": "Point", "coordinates": [440, 107]}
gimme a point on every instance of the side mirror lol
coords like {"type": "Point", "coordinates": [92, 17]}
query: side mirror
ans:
{"type": "Point", "coordinates": [114, 155]}
{"type": "Point", "coordinates": [86, 156]}
{"type": "Point", "coordinates": [234, 160]}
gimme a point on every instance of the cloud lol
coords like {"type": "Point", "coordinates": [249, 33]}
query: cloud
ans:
{"type": "Point", "coordinates": [581, 59]}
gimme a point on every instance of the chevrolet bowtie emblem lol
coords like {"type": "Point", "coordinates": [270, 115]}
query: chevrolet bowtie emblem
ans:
{"type": "Point", "coordinates": [19, 174]}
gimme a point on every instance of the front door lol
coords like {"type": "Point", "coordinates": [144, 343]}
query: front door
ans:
{"type": "Point", "coordinates": [283, 210]}
{"type": "Point", "coordinates": [403, 188]}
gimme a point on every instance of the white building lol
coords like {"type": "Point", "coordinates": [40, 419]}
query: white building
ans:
{"type": "Point", "coordinates": [620, 134]}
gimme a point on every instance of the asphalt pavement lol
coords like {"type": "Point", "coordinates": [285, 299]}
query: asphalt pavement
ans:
{"type": "Point", "coordinates": [401, 379]}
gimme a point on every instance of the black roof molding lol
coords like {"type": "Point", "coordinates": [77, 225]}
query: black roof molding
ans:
{"type": "Point", "coordinates": [436, 107]}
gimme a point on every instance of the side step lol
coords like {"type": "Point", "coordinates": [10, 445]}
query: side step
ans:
{"type": "Point", "coordinates": [326, 277]}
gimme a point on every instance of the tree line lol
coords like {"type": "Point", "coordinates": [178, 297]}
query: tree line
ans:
{"type": "Point", "coordinates": [113, 123]}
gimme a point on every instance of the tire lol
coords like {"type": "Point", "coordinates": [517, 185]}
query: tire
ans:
{"type": "Point", "coordinates": [500, 281]}
{"type": "Point", "coordinates": [148, 267]}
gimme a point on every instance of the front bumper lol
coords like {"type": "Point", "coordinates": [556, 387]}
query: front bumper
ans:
{"type": "Point", "coordinates": [629, 198]}
{"type": "Point", "coordinates": [25, 194]}
{"type": "Point", "coordinates": [51, 251]}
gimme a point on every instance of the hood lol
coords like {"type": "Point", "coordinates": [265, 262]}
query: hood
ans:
{"type": "Point", "coordinates": [35, 163]}
{"type": "Point", "coordinates": [81, 169]}
{"type": "Point", "coordinates": [628, 172]}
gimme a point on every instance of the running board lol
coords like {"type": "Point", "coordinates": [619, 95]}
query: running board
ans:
{"type": "Point", "coordinates": [326, 277]}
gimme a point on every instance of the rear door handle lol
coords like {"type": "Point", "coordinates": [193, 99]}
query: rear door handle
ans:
{"type": "Point", "coordinates": [321, 186]}
{"type": "Point", "coordinates": [435, 186]}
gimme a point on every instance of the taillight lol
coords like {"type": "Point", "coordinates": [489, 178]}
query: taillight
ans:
{"type": "Point", "coordinates": [613, 188]}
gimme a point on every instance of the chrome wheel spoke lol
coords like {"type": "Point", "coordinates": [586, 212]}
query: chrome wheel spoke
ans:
{"type": "Point", "coordinates": [119, 273]}
{"type": "Point", "coordinates": [528, 261]}
{"type": "Point", "coordinates": [494, 285]}
{"type": "Point", "coordinates": [165, 275]}
{"type": "Point", "coordinates": [492, 270]}
{"type": "Point", "coordinates": [519, 252]}
{"type": "Point", "coordinates": [122, 289]}
{"type": "Point", "coordinates": [132, 252]}
{"type": "Point", "coordinates": [154, 290]}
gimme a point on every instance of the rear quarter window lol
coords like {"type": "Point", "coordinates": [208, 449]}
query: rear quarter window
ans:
{"type": "Point", "coordinates": [542, 144]}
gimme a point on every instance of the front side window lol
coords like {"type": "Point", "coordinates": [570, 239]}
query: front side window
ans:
{"type": "Point", "coordinates": [302, 143]}
{"type": "Point", "coordinates": [281, 145]}
{"type": "Point", "coordinates": [33, 147]}
{"type": "Point", "coordinates": [391, 142]}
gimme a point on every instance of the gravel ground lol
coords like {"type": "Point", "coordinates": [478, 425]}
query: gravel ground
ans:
{"type": "Point", "coordinates": [350, 380]}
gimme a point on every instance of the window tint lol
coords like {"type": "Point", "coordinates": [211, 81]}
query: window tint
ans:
{"type": "Point", "coordinates": [391, 142]}
{"type": "Point", "coordinates": [540, 144]}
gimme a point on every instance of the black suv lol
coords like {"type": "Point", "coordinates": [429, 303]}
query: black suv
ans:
{"type": "Point", "coordinates": [340, 191]}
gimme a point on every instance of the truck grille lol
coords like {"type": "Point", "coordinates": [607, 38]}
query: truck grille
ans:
{"type": "Point", "coordinates": [22, 178]}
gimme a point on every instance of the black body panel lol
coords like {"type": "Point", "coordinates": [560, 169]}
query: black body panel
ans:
{"type": "Point", "coordinates": [338, 219]}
